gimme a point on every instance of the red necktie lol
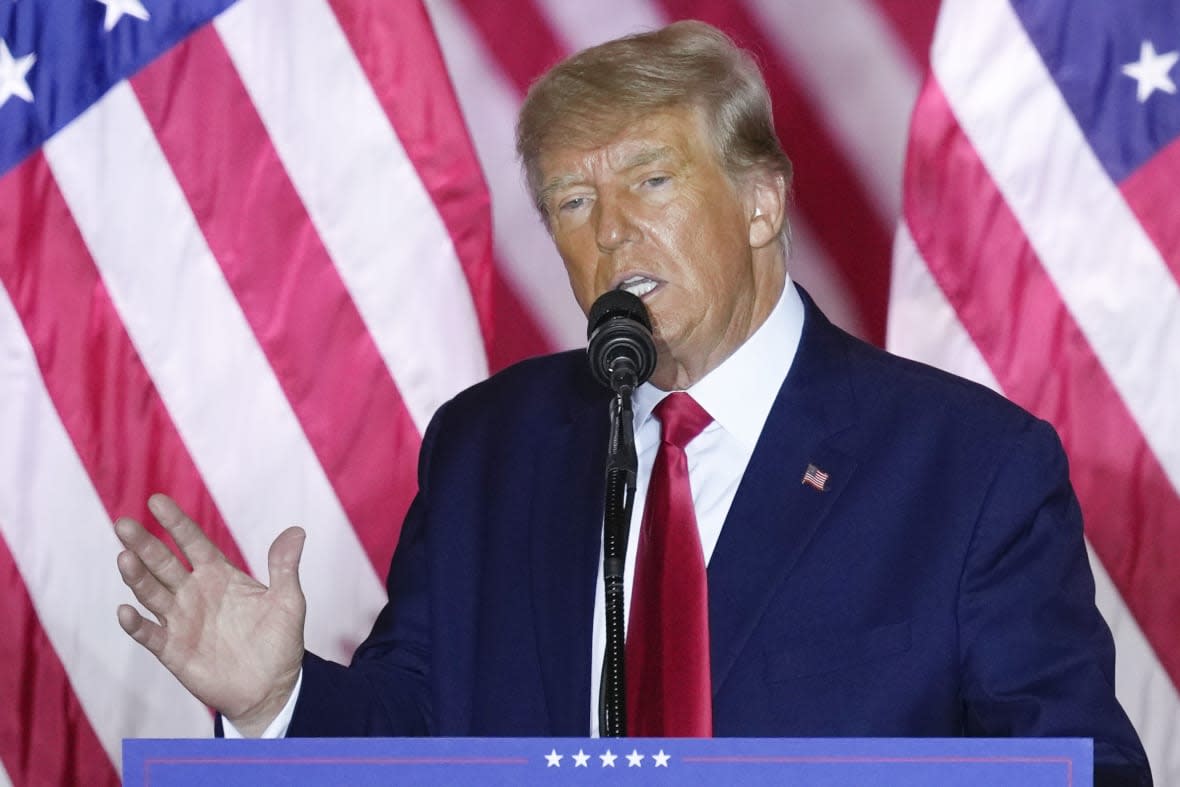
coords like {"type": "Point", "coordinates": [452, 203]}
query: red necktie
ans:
{"type": "Point", "coordinates": [669, 693]}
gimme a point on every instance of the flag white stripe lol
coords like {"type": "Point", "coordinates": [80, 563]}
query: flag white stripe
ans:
{"type": "Point", "coordinates": [363, 194]}
{"type": "Point", "coordinates": [922, 323]}
{"type": "Point", "coordinates": [1114, 282]}
{"type": "Point", "coordinates": [581, 25]}
{"type": "Point", "coordinates": [195, 342]}
{"type": "Point", "coordinates": [64, 546]}
{"type": "Point", "coordinates": [524, 250]}
{"type": "Point", "coordinates": [4, 780]}
{"type": "Point", "coordinates": [859, 75]}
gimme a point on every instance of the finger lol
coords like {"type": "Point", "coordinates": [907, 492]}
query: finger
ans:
{"type": "Point", "coordinates": [192, 541]}
{"type": "Point", "coordinates": [150, 635]}
{"type": "Point", "coordinates": [283, 561]}
{"type": "Point", "coordinates": [147, 589]}
{"type": "Point", "coordinates": [152, 552]}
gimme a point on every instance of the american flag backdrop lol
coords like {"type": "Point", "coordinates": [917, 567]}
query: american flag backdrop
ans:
{"type": "Point", "coordinates": [248, 247]}
{"type": "Point", "coordinates": [1039, 252]}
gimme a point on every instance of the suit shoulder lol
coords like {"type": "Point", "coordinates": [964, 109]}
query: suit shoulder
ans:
{"type": "Point", "coordinates": [905, 388]}
{"type": "Point", "coordinates": [534, 390]}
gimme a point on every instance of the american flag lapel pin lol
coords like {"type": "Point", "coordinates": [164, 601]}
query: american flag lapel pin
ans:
{"type": "Point", "coordinates": [815, 478]}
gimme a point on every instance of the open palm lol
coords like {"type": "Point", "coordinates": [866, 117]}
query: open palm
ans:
{"type": "Point", "coordinates": [234, 643]}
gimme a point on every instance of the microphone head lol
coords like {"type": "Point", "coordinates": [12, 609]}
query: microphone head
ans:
{"type": "Point", "coordinates": [622, 352]}
{"type": "Point", "coordinates": [617, 303]}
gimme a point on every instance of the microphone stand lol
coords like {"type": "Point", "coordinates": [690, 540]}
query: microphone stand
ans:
{"type": "Point", "coordinates": [622, 354]}
{"type": "Point", "coordinates": [621, 466]}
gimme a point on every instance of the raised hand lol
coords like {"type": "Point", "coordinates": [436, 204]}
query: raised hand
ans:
{"type": "Point", "coordinates": [234, 643]}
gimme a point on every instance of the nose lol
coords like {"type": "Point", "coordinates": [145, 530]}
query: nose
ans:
{"type": "Point", "coordinates": [614, 226]}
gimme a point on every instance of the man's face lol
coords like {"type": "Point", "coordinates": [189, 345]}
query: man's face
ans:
{"type": "Point", "coordinates": [653, 211]}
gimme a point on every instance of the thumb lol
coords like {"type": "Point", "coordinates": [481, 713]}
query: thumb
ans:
{"type": "Point", "coordinates": [283, 560]}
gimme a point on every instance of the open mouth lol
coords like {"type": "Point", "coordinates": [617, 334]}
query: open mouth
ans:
{"type": "Point", "coordinates": [638, 285]}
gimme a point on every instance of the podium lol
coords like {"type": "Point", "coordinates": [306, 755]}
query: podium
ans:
{"type": "Point", "coordinates": [783, 762]}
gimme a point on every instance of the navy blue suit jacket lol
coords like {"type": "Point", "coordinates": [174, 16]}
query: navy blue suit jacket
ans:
{"type": "Point", "coordinates": [938, 586]}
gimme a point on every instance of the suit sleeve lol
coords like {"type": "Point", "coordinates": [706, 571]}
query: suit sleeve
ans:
{"type": "Point", "coordinates": [1038, 659]}
{"type": "Point", "coordinates": [385, 691]}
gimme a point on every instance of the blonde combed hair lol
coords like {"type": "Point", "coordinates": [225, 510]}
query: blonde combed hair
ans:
{"type": "Point", "coordinates": [590, 97]}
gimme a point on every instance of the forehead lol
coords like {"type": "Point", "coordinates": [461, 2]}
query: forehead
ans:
{"type": "Point", "coordinates": [677, 135]}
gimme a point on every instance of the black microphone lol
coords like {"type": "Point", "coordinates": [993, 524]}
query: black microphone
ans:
{"type": "Point", "coordinates": [622, 352]}
{"type": "Point", "coordinates": [622, 356]}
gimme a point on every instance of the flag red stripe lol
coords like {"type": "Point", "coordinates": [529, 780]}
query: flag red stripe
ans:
{"type": "Point", "coordinates": [988, 271]}
{"type": "Point", "coordinates": [519, 37]}
{"type": "Point", "coordinates": [1151, 194]}
{"type": "Point", "coordinates": [913, 22]}
{"type": "Point", "coordinates": [257, 227]}
{"type": "Point", "coordinates": [45, 736]}
{"type": "Point", "coordinates": [828, 193]}
{"type": "Point", "coordinates": [112, 412]}
{"type": "Point", "coordinates": [395, 45]}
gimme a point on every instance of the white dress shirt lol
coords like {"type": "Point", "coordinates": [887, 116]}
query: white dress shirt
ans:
{"type": "Point", "coordinates": [738, 394]}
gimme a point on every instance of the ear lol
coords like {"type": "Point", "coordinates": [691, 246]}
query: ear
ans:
{"type": "Point", "coordinates": [766, 202]}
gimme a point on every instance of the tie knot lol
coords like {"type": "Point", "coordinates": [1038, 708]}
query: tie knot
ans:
{"type": "Point", "coordinates": [681, 419]}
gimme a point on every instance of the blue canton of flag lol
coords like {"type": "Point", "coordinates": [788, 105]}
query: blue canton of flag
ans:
{"type": "Point", "coordinates": [57, 57]}
{"type": "Point", "coordinates": [1115, 66]}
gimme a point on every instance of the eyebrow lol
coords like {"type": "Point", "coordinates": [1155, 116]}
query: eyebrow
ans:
{"type": "Point", "coordinates": [647, 156]}
{"type": "Point", "coordinates": [553, 185]}
{"type": "Point", "coordinates": [640, 159]}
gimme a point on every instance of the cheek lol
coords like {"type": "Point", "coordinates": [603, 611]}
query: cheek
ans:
{"type": "Point", "coordinates": [584, 293]}
{"type": "Point", "coordinates": [695, 259]}
{"type": "Point", "coordinates": [581, 276]}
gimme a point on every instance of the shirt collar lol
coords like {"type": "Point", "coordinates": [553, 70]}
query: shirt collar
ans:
{"type": "Point", "coordinates": [740, 392]}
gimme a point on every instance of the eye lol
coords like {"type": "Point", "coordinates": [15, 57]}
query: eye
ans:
{"type": "Point", "coordinates": [655, 181]}
{"type": "Point", "coordinates": [571, 204]}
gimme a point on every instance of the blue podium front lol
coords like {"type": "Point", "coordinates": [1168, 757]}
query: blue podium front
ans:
{"type": "Point", "coordinates": [814, 762]}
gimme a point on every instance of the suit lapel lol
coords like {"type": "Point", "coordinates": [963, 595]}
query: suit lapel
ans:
{"type": "Point", "coordinates": [775, 514]}
{"type": "Point", "coordinates": [566, 524]}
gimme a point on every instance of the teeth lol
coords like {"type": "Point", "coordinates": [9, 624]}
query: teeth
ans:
{"type": "Point", "coordinates": [638, 286]}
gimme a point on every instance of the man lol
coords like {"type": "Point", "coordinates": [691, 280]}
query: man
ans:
{"type": "Point", "coordinates": [891, 551]}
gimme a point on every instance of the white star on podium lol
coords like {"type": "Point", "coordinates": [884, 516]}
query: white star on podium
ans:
{"type": "Point", "coordinates": [661, 759]}
{"type": "Point", "coordinates": [635, 759]}
{"type": "Point", "coordinates": [608, 759]}
{"type": "Point", "coordinates": [554, 759]}
{"type": "Point", "coordinates": [580, 759]}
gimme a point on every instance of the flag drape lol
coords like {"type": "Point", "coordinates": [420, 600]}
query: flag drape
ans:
{"type": "Point", "coordinates": [1038, 254]}
{"type": "Point", "coordinates": [247, 249]}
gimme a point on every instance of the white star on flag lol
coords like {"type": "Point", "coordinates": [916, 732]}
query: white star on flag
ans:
{"type": "Point", "coordinates": [12, 75]}
{"type": "Point", "coordinates": [581, 758]}
{"type": "Point", "coordinates": [634, 759]}
{"type": "Point", "coordinates": [1151, 71]}
{"type": "Point", "coordinates": [117, 9]}
{"type": "Point", "coordinates": [553, 758]}
{"type": "Point", "coordinates": [608, 759]}
{"type": "Point", "coordinates": [661, 759]}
